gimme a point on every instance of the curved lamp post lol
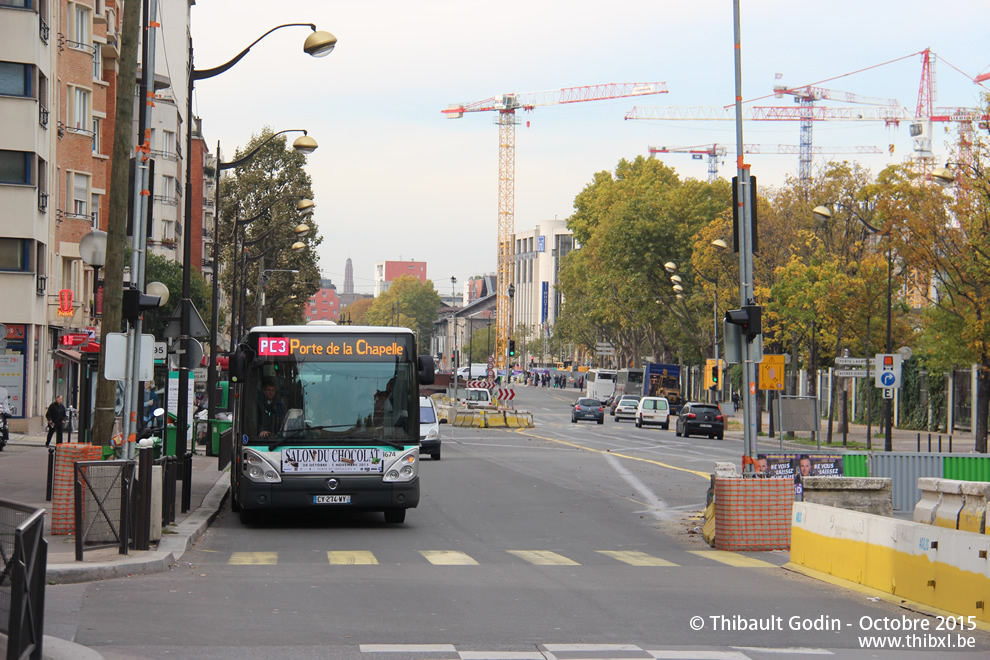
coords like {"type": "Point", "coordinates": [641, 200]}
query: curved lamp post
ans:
{"type": "Point", "coordinates": [318, 44]}
{"type": "Point", "coordinates": [824, 214]}
{"type": "Point", "coordinates": [303, 144]}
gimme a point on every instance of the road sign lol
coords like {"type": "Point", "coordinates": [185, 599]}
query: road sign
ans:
{"type": "Point", "coordinates": [888, 392]}
{"type": "Point", "coordinates": [850, 362]}
{"type": "Point", "coordinates": [850, 373]}
{"type": "Point", "coordinates": [505, 394]}
{"type": "Point", "coordinates": [888, 370]}
{"type": "Point", "coordinates": [772, 372]}
{"type": "Point", "coordinates": [160, 350]}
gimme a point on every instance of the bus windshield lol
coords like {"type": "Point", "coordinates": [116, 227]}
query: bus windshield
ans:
{"type": "Point", "coordinates": [296, 394]}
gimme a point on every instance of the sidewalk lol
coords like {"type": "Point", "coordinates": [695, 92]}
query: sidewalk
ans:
{"type": "Point", "coordinates": [23, 479]}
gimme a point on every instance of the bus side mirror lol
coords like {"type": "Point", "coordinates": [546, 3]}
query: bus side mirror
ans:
{"type": "Point", "coordinates": [426, 369]}
{"type": "Point", "coordinates": [239, 362]}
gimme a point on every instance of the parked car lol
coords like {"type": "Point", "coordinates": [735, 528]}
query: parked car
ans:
{"type": "Point", "coordinates": [429, 428]}
{"type": "Point", "coordinates": [591, 409]}
{"type": "Point", "coordinates": [626, 407]}
{"type": "Point", "coordinates": [653, 410]}
{"type": "Point", "coordinates": [700, 419]}
{"type": "Point", "coordinates": [476, 397]}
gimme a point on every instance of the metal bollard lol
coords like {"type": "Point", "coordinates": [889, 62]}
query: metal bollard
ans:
{"type": "Point", "coordinates": [950, 444]}
{"type": "Point", "coordinates": [142, 534]}
{"type": "Point", "coordinates": [940, 443]}
{"type": "Point", "coordinates": [187, 481]}
{"type": "Point", "coordinates": [929, 442]}
{"type": "Point", "coordinates": [919, 443]}
{"type": "Point", "coordinates": [50, 485]}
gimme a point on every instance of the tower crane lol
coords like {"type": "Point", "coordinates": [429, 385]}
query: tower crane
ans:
{"type": "Point", "coordinates": [806, 97]}
{"type": "Point", "coordinates": [506, 106]}
{"type": "Point", "coordinates": [716, 151]}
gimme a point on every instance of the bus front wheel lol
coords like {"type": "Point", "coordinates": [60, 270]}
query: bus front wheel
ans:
{"type": "Point", "coordinates": [395, 515]}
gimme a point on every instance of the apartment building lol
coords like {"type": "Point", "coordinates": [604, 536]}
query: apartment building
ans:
{"type": "Point", "coordinates": [324, 305]}
{"type": "Point", "coordinates": [536, 263]}
{"type": "Point", "coordinates": [387, 272]}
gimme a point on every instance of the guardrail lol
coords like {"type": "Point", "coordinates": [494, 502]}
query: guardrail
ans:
{"type": "Point", "coordinates": [24, 555]}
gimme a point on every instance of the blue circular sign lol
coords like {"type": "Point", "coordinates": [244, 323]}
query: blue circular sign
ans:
{"type": "Point", "coordinates": [887, 379]}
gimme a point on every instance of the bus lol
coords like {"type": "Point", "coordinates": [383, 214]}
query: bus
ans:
{"type": "Point", "coordinates": [599, 383]}
{"type": "Point", "coordinates": [629, 381]}
{"type": "Point", "coordinates": [326, 417]}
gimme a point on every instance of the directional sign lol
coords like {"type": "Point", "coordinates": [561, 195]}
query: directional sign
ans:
{"type": "Point", "coordinates": [888, 392]}
{"type": "Point", "coordinates": [484, 383]}
{"type": "Point", "coordinates": [850, 362]}
{"type": "Point", "coordinates": [888, 370]}
{"type": "Point", "coordinates": [772, 372]}
{"type": "Point", "coordinates": [850, 373]}
{"type": "Point", "coordinates": [505, 394]}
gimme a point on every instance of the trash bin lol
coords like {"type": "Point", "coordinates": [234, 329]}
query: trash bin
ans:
{"type": "Point", "coordinates": [170, 440]}
{"type": "Point", "coordinates": [217, 427]}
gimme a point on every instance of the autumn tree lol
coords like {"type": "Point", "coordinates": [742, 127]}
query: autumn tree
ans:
{"type": "Point", "coordinates": [408, 303]}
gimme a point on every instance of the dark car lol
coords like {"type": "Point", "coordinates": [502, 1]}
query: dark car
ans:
{"type": "Point", "coordinates": [591, 409]}
{"type": "Point", "coordinates": [700, 419]}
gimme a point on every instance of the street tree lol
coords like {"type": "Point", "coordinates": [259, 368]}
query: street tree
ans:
{"type": "Point", "coordinates": [408, 303]}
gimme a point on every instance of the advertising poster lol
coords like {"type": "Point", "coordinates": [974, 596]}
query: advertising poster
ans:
{"type": "Point", "coordinates": [12, 380]}
{"type": "Point", "coordinates": [800, 465]}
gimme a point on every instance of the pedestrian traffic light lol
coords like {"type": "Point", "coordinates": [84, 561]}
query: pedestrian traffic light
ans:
{"type": "Point", "coordinates": [512, 348]}
{"type": "Point", "coordinates": [748, 319]}
{"type": "Point", "coordinates": [134, 302]}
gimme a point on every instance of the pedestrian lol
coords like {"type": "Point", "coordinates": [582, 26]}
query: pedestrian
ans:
{"type": "Point", "coordinates": [150, 401]}
{"type": "Point", "coordinates": [56, 418]}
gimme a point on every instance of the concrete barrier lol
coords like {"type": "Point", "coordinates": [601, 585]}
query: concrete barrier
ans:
{"type": "Point", "coordinates": [953, 504]}
{"type": "Point", "coordinates": [943, 568]}
{"type": "Point", "coordinates": [866, 494]}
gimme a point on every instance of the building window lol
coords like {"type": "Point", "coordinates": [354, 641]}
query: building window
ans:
{"type": "Point", "coordinates": [79, 28]}
{"type": "Point", "coordinates": [79, 115]}
{"type": "Point", "coordinates": [42, 185]}
{"type": "Point", "coordinates": [15, 79]}
{"type": "Point", "coordinates": [168, 143]}
{"type": "Point", "coordinates": [96, 211]}
{"type": "Point", "coordinates": [24, 4]}
{"type": "Point", "coordinates": [77, 186]}
{"type": "Point", "coordinates": [42, 100]}
{"type": "Point", "coordinates": [13, 254]}
{"type": "Point", "coordinates": [15, 167]}
{"type": "Point", "coordinates": [97, 61]}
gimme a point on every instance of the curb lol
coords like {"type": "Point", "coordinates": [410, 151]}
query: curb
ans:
{"type": "Point", "coordinates": [170, 549]}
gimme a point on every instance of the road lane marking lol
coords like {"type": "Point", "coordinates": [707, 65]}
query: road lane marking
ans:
{"type": "Point", "coordinates": [448, 558]}
{"type": "Point", "coordinates": [543, 557]}
{"type": "Point", "coordinates": [577, 648]}
{"type": "Point", "coordinates": [636, 558]}
{"type": "Point", "coordinates": [351, 557]}
{"type": "Point", "coordinates": [658, 507]}
{"type": "Point", "coordinates": [253, 558]}
{"type": "Point", "coordinates": [698, 655]}
{"type": "Point", "coordinates": [407, 648]}
{"type": "Point", "coordinates": [704, 475]}
{"type": "Point", "coordinates": [732, 559]}
{"type": "Point", "coordinates": [792, 650]}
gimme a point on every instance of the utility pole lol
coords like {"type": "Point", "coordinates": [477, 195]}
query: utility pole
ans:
{"type": "Point", "coordinates": [103, 419]}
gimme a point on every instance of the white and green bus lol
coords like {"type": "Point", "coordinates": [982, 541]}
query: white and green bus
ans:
{"type": "Point", "coordinates": [326, 416]}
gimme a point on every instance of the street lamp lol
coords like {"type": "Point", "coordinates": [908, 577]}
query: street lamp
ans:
{"type": "Point", "coordinates": [93, 250]}
{"type": "Point", "coordinates": [824, 214]}
{"type": "Point", "coordinates": [318, 44]}
{"type": "Point", "coordinates": [303, 144]}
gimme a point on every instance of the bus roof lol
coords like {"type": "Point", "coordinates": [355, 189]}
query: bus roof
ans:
{"type": "Point", "coordinates": [322, 329]}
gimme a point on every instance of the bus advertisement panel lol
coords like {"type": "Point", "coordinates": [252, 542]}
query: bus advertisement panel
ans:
{"type": "Point", "coordinates": [327, 415]}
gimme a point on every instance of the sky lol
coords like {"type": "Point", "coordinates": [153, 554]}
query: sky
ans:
{"type": "Point", "coordinates": [395, 179]}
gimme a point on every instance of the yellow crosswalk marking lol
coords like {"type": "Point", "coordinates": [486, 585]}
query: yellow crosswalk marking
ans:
{"type": "Point", "coordinates": [543, 558]}
{"type": "Point", "coordinates": [448, 558]}
{"type": "Point", "coordinates": [351, 557]}
{"type": "Point", "coordinates": [636, 558]}
{"type": "Point", "coordinates": [732, 559]}
{"type": "Point", "coordinates": [254, 558]}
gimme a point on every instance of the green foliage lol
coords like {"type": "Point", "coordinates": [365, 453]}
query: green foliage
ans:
{"type": "Point", "coordinates": [267, 188]}
{"type": "Point", "coordinates": [168, 272]}
{"type": "Point", "coordinates": [408, 303]}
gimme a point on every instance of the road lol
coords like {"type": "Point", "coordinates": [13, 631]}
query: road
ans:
{"type": "Point", "coordinates": [567, 541]}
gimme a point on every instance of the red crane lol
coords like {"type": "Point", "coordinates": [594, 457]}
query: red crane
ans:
{"type": "Point", "coordinates": [506, 105]}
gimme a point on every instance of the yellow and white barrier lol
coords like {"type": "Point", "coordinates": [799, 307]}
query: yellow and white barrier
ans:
{"type": "Point", "coordinates": [953, 504]}
{"type": "Point", "coordinates": [943, 568]}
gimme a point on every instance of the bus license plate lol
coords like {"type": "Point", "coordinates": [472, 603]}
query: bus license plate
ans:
{"type": "Point", "coordinates": [331, 499]}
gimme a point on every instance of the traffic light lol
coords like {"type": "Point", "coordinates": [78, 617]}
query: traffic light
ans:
{"type": "Point", "coordinates": [715, 377]}
{"type": "Point", "coordinates": [512, 348]}
{"type": "Point", "coordinates": [134, 302]}
{"type": "Point", "coordinates": [748, 320]}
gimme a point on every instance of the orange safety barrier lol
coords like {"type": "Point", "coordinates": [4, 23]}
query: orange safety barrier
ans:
{"type": "Point", "coordinates": [753, 514]}
{"type": "Point", "coordinates": [63, 498]}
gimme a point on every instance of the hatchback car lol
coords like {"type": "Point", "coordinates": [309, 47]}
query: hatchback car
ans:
{"type": "Point", "coordinates": [429, 428]}
{"type": "Point", "coordinates": [653, 410]}
{"type": "Point", "coordinates": [590, 409]}
{"type": "Point", "coordinates": [626, 407]}
{"type": "Point", "coordinates": [700, 419]}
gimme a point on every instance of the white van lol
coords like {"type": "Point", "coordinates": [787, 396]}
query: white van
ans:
{"type": "Point", "coordinates": [476, 397]}
{"type": "Point", "coordinates": [474, 371]}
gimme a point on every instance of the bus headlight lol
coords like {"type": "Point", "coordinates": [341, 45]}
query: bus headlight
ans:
{"type": "Point", "coordinates": [257, 468]}
{"type": "Point", "coordinates": [405, 468]}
